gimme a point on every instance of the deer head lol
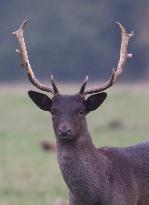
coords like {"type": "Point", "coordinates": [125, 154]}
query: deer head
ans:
{"type": "Point", "coordinates": [69, 111]}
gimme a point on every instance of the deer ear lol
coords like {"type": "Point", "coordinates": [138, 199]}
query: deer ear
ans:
{"type": "Point", "coordinates": [94, 101]}
{"type": "Point", "coordinates": [41, 100]}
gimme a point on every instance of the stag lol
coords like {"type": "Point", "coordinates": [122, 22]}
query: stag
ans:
{"type": "Point", "coordinates": [94, 176]}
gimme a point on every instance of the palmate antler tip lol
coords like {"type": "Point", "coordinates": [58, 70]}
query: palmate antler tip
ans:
{"type": "Point", "coordinates": [24, 24]}
{"type": "Point", "coordinates": [15, 33]}
{"type": "Point", "coordinates": [120, 26]}
{"type": "Point", "coordinates": [25, 21]}
{"type": "Point", "coordinates": [118, 23]}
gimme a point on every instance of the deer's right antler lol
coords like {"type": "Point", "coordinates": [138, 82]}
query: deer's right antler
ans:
{"type": "Point", "coordinates": [22, 51]}
{"type": "Point", "coordinates": [124, 55]}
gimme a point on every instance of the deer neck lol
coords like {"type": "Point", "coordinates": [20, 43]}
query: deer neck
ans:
{"type": "Point", "coordinates": [82, 148]}
{"type": "Point", "coordinates": [78, 164]}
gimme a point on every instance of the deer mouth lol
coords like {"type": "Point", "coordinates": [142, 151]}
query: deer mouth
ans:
{"type": "Point", "coordinates": [67, 137]}
{"type": "Point", "coordinates": [65, 133]}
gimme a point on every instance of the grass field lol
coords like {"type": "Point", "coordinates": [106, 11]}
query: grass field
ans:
{"type": "Point", "coordinates": [29, 176]}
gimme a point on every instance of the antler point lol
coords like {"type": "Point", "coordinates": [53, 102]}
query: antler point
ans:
{"type": "Point", "coordinates": [121, 26]}
{"type": "Point", "coordinates": [14, 33]}
{"type": "Point", "coordinates": [17, 50]}
{"type": "Point", "coordinates": [113, 70]}
{"type": "Point", "coordinates": [129, 55]}
{"type": "Point", "coordinates": [86, 79]}
{"type": "Point", "coordinates": [24, 24]}
{"type": "Point", "coordinates": [117, 22]}
{"type": "Point", "coordinates": [51, 76]}
{"type": "Point", "coordinates": [131, 34]}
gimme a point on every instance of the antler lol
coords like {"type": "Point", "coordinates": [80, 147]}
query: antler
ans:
{"type": "Point", "coordinates": [124, 55]}
{"type": "Point", "coordinates": [22, 51]}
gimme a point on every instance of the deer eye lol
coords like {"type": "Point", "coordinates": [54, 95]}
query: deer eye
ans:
{"type": "Point", "coordinates": [81, 112]}
{"type": "Point", "coordinates": [53, 112]}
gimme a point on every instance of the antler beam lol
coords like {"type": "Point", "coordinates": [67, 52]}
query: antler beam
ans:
{"type": "Point", "coordinates": [22, 51]}
{"type": "Point", "coordinates": [124, 55]}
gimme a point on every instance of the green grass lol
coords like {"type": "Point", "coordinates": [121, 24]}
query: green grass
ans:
{"type": "Point", "coordinates": [28, 176]}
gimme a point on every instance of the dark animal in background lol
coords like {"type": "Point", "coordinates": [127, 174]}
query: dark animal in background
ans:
{"type": "Point", "coordinates": [48, 146]}
{"type": "Point", "coordinates": [60, 202]}
{"type": "Point", "coordinates": [105, 176]}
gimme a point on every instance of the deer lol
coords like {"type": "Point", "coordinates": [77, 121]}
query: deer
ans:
{"type": "Point", "coordinates": [94, 176]}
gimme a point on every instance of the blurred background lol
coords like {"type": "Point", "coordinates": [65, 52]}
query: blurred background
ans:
{"type": "Point", "coordinates": [73, 38]}
{"type": "Point", "coordinates": [70, 39]}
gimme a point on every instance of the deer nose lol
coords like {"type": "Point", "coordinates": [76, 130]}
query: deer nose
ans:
{"type": "Point", "coordinates": [64, 131]}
